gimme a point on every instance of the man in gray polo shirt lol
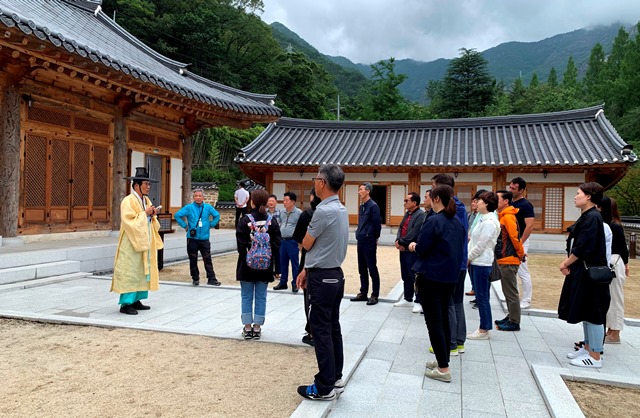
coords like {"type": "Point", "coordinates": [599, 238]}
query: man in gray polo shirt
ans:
{"type": "Point", "coordinates": [326, 245]}
{"type": "Point", "coordinates": [289, 251]}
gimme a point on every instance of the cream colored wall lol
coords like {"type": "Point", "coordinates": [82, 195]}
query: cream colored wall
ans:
{"type": "Point", "coordinates": [137, 160]}
{"type": "Point", "coordinates": [462, 177]}
{"type": "Point", "coordinates": [278, 190]}
{"type": "Point", "coordinates": [362, 177]}
{"type": "Point", "coordinates": [571, 212]}
{"type": "Point", "coordinates": [176, 183]}
{"type": "Point", "coordinates": [351, 199]}
{"type": "Point", "coordinates": [577, 178]}
{"type": "Point", "coordinates": [398, 194]}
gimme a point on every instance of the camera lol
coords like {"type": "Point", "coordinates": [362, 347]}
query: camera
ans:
{"type": "Point", "coordinates": [192, 232]}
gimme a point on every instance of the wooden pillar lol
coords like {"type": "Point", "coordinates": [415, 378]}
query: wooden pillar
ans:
{"type": "Point", "coordinates": [187, 161]}
{"type": "Point", "coordinates": [499, 179]}
{"type": "Point", "coordinates": [119, 166]}
{"type": "Point", "coordinates": [9, 160]}
{"type": "Point", "coordinates": [414, 181]}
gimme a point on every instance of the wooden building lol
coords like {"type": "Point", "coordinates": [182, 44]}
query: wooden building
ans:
{"type": "Point", "coordinates": [83, 103]}
{"type": "Point", "coordinates": [553, 152]}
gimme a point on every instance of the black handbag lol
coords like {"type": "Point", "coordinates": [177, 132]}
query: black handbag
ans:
{"type": "Point", "coordinates": [599, 274]}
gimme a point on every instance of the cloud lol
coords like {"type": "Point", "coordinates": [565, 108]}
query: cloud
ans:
{"type": "Point", "coordinates": [367, 31]}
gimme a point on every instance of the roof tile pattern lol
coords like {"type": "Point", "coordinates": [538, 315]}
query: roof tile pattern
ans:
{"type": "Point", "coordinates": [576, 137]}
{"type": "Point", "coordinates": [81, 28]}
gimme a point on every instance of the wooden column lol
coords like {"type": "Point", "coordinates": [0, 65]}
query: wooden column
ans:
{"type": "Point", "coordinates": [9, 159]}
{"type": "Point", "coordinates": [187, 160]}
{"type": "Point", "coordinates": [119, 166]}
{"type": "Point", "coordinates": [414, 181]}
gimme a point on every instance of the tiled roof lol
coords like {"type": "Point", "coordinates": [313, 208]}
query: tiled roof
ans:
{"type": "Point", "coordinates": [81, 28]}
{"type": "Point", "coordinates": [575, 137]}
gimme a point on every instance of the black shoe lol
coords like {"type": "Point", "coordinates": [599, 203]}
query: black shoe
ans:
{"type": "Point", "coordinates": [473, 301]}
{"type": "Point", "coordinates": [247, 334]}
{"type": "Point", "coordinates": [360, 298]}
{"type": "Point", "coordinates": [128, 309]}
{"type": "Point", "coordinates": [280, 287]}
{"type": "Point", "coordinates": [311, 392]}
{"type": "Point", "coordinates": [213, 282]}
{"type": "Point", "coordinates": [196, 282]}
{"type": "Point", "coordinates": [294, 289]}
{"type": "Point", "coordinates": [501, 321]}
{"type": "Point", "coordinates": [140, 307]}
{"type": "Point", "coordinates": [257, 334]}
{"type": "Point", "coordinates": [508, 326]}
{"type": "Point", "coordinates": [372, 300]}
{"type": "Point", "coordinates": [308, 339]}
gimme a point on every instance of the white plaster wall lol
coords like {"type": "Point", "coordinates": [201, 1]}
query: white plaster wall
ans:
{"type": "Point", "coordinates": [571, 212]}
{"type": "Point", "coordinates": [137, 160]}
{"type": "Point", "coordinates": [307, 175]}
{"type": "Point", "coordinates": [398, 194]}
{"type": "Point", "coordinates": [462, 177]}
{"type": "Point", "coordinates": [577, 178]}
{"type": "Point", "coordinates": [278, 190]}
{"type": "Point", "coordinates": [176, 183]}
{"type": "Point", "coordinates": [351, 199]}
{"type": "Point", "coordinates": [362, 177]}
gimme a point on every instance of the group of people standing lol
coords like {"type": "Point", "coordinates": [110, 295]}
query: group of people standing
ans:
{"type": "Point", "coordinates": [437, 247]}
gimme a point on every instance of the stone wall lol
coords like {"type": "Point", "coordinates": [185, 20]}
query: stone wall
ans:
{"type": "Point", "coordinates": [227, 217]}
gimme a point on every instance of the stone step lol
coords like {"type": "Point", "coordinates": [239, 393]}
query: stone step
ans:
{"type": "Point", "coordinates": [25, 258]}
{"type": "Point", "coordinates": [27, 284]}
{"type": "Point", "coordinates": [38, 271]}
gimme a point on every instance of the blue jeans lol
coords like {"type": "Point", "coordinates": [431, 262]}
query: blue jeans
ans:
{"type": "Point", "coordinates": [250, 291]}
{"type": "Point", "coordinates": [289, 252]}
{"type": "Point", "coordinates": [594, 336]}
{"type": "Point", "coordinates": [480, 276]}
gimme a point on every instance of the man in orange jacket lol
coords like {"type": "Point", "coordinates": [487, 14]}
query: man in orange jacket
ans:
{"type": "Point", "coordinates": [509, 253]}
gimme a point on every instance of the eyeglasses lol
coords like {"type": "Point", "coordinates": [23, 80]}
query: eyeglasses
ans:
{"type": "Point", "coordinates": [317, 178]}
{"type": "Point", "coordinates": [406, 200]}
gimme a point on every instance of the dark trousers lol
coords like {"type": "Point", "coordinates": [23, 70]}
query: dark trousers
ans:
{"type": "Point", "coordinates": [407, 259]}
{"type": "Point", "coordinates": [307, 305]}
{"type": "Point", "coordinates": [434, 298]}
{"type": "Point", "coordinates": [326, 289]}
{"type": "Point", "coordinates": [240, 212]}
{"type": "Point", "coordinates": [457, 321]}
{"type": "Point", "coordinates": [289, 252]}
{"type": "Point", "coordinates": [367, 265]}
{"type": "Point", "coordinates": [204, 247]}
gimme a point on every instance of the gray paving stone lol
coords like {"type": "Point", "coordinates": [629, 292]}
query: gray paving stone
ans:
{"type": "Point", "coordinates": [436, 404]}
{"type": "Point", "coordinates": [482, 398]}
{"type": "Point", "coordinates": [526, 409]}
{"type": "Point", "coordinates": [532, 344]}
{"type": "Point", "coordinates": [382, 350]}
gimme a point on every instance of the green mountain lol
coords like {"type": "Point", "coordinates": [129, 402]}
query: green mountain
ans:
{"type": "Point", "coordinates": [347, 78]}
{"type": "Point", "coordinates": [507, 61]}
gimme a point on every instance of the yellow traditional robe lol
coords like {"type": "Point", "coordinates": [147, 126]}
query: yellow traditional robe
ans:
{"type": "Point", "coordinates": [137, 252]}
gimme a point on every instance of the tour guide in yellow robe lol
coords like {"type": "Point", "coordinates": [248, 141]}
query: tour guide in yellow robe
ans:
{"type": "Point", "coordinates": [135, 270]}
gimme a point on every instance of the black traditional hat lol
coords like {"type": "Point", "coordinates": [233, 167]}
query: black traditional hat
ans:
{"type": "Point", "coordinates": [141, 174]}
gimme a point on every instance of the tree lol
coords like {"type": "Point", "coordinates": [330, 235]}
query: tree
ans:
{"type": "Point", "coordinates": [382, 99]}
{"type": "Point", "coordinates": [534, 81]}
{"type": "Point", "coordinates": [467, 88]}
{"type": "Point", "coordinates": [552, 81]}
{"type": "Point", "coordinates": [518, 98]}
{"type": "Point", "coordinates": [570, 77]}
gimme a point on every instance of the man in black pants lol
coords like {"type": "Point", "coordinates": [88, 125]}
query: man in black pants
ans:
{"type": "Point", "coordinates": [326, 245]}
{"type": "Point", "coordinates": [367, 234]}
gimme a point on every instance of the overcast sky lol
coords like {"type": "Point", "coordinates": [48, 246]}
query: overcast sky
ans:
{"type": "Point", "coordinates": [366, 31]}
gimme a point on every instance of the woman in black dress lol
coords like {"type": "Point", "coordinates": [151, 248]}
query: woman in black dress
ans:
{"type": "Point", "coordinates": [583, 300]}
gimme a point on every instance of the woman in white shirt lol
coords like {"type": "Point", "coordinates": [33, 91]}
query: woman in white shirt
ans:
{"type": "Point", "coordinates": [482, 242]}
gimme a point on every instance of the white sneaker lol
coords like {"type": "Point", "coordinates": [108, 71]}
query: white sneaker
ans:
{"type": "Point", "coordinates": [478, 335]}
{"type": "Point", "coordinates": [403, 304]}
{"type": "Point", "coordinates": [587, 361]}
{"type": "Point", "coordinates": [417, 308]}
{"type": "Point", "coordinates": [577, 353]}
{"type": "Point", "coordinates": [525, 305]}
{"type": "Point", "coordinates": [338, 386]}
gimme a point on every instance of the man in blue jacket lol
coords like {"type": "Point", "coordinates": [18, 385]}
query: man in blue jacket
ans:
{"type": "Point", "coordinates": [200, 217]}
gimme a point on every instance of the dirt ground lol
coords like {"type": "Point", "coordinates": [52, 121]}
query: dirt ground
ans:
{"type": "Point", "coordinates": [63, 370]}
{"type": "Point", "coordinates": [597, 400]}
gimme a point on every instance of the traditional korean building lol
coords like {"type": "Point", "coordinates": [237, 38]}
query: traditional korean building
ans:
{"type": "Point", "coordinates": [83, 103]}
{"type": "Point", "coordinates": [553, 152]}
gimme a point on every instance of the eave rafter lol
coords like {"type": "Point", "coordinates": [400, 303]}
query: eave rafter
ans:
{"type": "Point", "coordinates": [37, 55]}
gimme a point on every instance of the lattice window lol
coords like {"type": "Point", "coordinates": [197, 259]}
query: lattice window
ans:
{"type": "Point", "coordinates": [46, 115]}
{"type": "Point", "coordinates": [81, 160]}
{"type": "Point", "coordinates": [100, 175]}
{"type": "Point", "coordinates": [553, 208]}
{"type": "Point", "coordinates": [92, 125]}
{"type": "Point", "coordinates": [34, 171]}
{"type": "Point", "coordinates": [535, 196]}
{"type": "Point", "coordinates": [142, 137]}
{"type": "Point", "coordinates": [59, 173]}
{"type": "Point", "coordinates": [465, 194]}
